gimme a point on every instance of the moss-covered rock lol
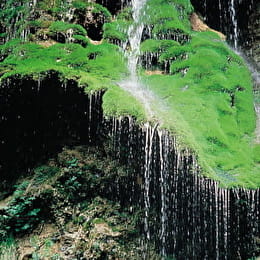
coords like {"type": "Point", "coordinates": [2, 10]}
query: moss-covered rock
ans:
{"type": "Point", "coordinates": [204, 85]}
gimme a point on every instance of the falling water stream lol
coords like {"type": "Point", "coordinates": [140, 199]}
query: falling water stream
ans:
{"type": "Point", "coordinates": [184, 214]}
{"type": "Point", "coordinates": [234, 22]}
{"type": "Point", "coordinates": [133, 84]}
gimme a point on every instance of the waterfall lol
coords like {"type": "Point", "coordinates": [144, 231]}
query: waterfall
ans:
{"type": "Point", "coordinates": [132, 84]}
{"type": "Point", "coordinates": [134, 35]}
{"type": "Point", "coordinates": [149, 131]}
{"type": "Point", "coordinates": [220, 14]}
{"type": "Point", "coordinates": [184, 214]}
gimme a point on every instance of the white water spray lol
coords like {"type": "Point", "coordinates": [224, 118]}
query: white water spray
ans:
{"type": "Point", "coordinates": [132, 84]}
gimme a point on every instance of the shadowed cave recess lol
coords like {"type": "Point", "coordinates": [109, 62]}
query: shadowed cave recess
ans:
{"type": "Point", "coordinates": [184, 214]}
{"type": "Point", "coordinates": [39, 117]}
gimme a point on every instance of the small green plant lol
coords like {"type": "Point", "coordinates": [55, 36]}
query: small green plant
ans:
{"type": "Point", "coordinates": [82, 40]}
{"type": "Point", "coordinates": [43, 173]}
{"type": "Point", "coordinates": [42, 249]}
{"type": "Point", "coordinates": [62, 31]}
{"type": "Point", "coordinates": [19, 216]}
{"type": "Point", "coordinates": [8, 249]}
{"type": "Point", "coordinates": [20, 189]}
{"type": "Point", "coordinates": [76, 181]}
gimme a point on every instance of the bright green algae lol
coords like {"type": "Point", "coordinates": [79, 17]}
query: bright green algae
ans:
{"type": "Point", "coordinates": [207, 90]}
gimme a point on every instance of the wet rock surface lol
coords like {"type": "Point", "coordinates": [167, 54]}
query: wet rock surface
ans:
{"type": "Point", "coordinates": [239, 21]}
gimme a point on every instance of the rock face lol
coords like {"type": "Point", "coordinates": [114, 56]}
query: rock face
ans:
{"type": "Point", "coordinates": [254, 35]}
{"type": "Point", "coordinates": [199, 26]}
{"type": "Point", "coordinates": [238, 20]}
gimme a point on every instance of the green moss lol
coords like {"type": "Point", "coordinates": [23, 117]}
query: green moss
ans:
{"type": "Point", "coordinates": [83, 41]}
{"type": "Point", "coordinates": [214, 101]}
{"type": "Point", "coordinates": [63, 28]}
{"type": "Point", "coordinates": [92, 67]}
{"type": "Point", "coordinates": [171, 15]}
{"type": "Point", "coordinates": [81, 5]}
{"type": "Point", "coordinates": [155, 46]}
{"type": "Point", "coordinates": [72, 60]}
{"type": "Point", "coordinates": [207, 123]}
{"type": "Point", "coordinates": [125, 14]}
{"type": "Point", "coordinates": [56, 8]}
{"type": "Point", "coordinates": [207, 98]}
{"type": "Point", "coordinates": [95, 8]}
{"type": "Point", "coordinates": [111, 32]}
{"type": "Point", "coordinates": [256, 153]}
{"type": "Point", "coordinates": [116, 102]}
{"type": "Point", "coordinates": [9, 47]}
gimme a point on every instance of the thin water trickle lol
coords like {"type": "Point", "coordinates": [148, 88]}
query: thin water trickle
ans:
{"type": "Point", "coordinates": [90, 117]}
{"type": "Point", "coordinates": [234, 22]}
{"type": "Point", "coordinates": [150, 132]}
{"type": "Point", "coordinates": [220, 13]}
{"type": "Point", "coordinates": [163, 144]}
{"type": "Point", "coordinates": [205, 6]}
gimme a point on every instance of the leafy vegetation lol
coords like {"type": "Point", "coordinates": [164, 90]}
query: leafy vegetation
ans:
{"type": "Point", "coordinates": [8, 249]}
{"type": "Point", "coordinates": [61, 28]}
{"type": "Point", "coordinates": [78, 190]}
{"type": "Point", "coordinates": [19, 217]}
